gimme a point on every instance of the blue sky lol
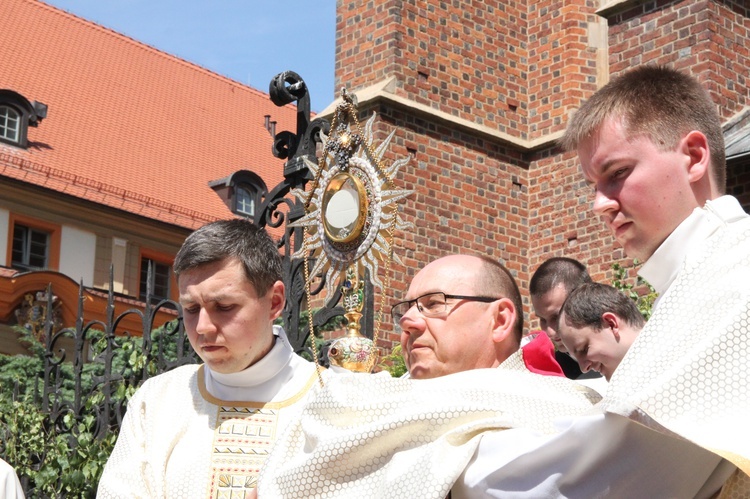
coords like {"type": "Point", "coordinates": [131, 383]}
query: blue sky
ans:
{"type": "Point", "coordinates": [247, 40]}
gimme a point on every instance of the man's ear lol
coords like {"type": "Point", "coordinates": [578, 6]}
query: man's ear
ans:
{"type": "Point", "coordinates": [278, 299]}
{"type": "Point", "coordinates": [695, 146]}
{"type": "Point", "coordinates": [613, 323]}
{"type": "Point", "coordinates": [503, 320]}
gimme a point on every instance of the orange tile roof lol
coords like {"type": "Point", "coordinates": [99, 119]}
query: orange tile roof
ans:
{"type": "Point", "coordinates": [129, 126]}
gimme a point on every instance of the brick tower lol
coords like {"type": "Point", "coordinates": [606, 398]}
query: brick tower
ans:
{"type": "Point", "coordinates": [479, 92]}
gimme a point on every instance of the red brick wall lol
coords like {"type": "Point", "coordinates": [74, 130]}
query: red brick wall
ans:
{"type": "Point", "coordinates": [708, 38]}
{"type": "Point", "coordinates": [465, 58]}
{"type": "Point", "coordinates": [560, 69]}
{"type": "Point", "coordinates": [560, 220]}
{"type": "Point", "coordinates": [470, 197]}
{"type": "Point", "coordinates": [519, 67]}
{"type": "Point", "coordinates": [499, 63]}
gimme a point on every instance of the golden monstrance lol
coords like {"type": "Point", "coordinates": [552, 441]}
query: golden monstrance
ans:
{"type": "Point", "coordinates": [351, 214]}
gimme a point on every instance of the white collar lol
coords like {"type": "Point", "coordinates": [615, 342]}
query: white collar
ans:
{"type": "Point", "coordinates": [662, 268]}
{"type": "Point", "coordinates": [263, 370]}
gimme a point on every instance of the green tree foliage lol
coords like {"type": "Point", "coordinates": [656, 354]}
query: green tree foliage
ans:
{"type": "Point", "coordinates": [63, 458]}
{"type": "Point", "coordinates": [46, 458]}
{"type": "Point", "coordinates": [635, 290]}
{"type": "Point", "coordinates": [394, 362]}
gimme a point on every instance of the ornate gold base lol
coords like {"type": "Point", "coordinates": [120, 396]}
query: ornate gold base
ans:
{"type": "Point", "coordinates": [353, 352]}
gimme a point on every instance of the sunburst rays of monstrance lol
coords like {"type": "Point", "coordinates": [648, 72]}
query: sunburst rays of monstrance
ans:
{"type": "Point", "coordinates": [351, 215]}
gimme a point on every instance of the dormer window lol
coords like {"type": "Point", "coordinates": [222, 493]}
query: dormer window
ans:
{"type": "Point", "coordinates": [10, 124]}
{"type": "Point", "coordinates": [17, 114]}
{"type": "Point", "coordinates": [242, 192]}
{"type": "Point", "coordinates": [244, 200]}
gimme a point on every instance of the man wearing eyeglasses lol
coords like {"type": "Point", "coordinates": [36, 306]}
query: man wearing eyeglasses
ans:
{"type": "Point", "coordinates": [464, 312]}
{"type": "Point", "coordinates": [681, 387]}
{"type": "Point", "coordinates": [461, 312]}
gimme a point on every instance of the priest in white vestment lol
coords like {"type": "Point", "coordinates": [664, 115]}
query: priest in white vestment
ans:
{"type": "Point", "coordinates": [205, 431]}
{"type": "Point", "coordinates": [598, 325]}
{"type": "Point", "coordinates": [10, 486]}
{"type": "Point", "coordinates": [673, 421]}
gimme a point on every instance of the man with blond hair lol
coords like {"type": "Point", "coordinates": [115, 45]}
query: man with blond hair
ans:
{"type": "Point", "coordinates": [651, 147]}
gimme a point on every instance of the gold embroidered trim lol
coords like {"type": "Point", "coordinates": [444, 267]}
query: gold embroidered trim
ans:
{"type": "Point", "coordinates": [243, 439]}
{"type": "Point", "coordinates": [244, 435]}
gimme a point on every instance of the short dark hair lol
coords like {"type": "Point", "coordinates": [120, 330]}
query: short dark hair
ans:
{"type": "Point", "coordinates": [657, 102]}
{"type": "Point", "coordinates": [587, 303]}
{"type": "Point", "coordinates": [496, 280]}
{"type": "Point", "coordinates": [558, 270]}
{"type": "Point", "coordinates": [235, 238]}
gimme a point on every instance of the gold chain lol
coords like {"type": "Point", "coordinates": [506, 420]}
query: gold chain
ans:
{"type": "Point", "coordinates": [310, 324]}
{"type": "Point", "coordinates": [306, 267]}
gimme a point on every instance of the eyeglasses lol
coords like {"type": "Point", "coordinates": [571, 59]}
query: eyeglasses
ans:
{"type": "Point", "coordinates": [432, 305]}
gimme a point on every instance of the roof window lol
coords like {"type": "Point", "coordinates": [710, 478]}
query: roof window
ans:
{"type": "Point", "coordinates": [242, 192]}
{"type": "Point", "coordinates": [10, 128]}
{"type": "Point", "coordinates": [17, 114]}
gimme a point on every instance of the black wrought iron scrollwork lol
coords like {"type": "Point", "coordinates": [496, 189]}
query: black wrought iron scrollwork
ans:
{"type": "Point", "coordinates": [296, 147]}
{"type": "Point", "coordinates": [285, 88]}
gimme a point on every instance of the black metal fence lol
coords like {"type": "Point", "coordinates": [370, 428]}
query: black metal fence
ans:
{"type": "Point", "coordinates": [157, 350]}
{"type": "Point", "coordinates": [82, 384]}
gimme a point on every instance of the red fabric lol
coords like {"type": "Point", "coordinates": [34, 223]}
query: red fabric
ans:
{"type": "Point", "coordinates": [539, 355]}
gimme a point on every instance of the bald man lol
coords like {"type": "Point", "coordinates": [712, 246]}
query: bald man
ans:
{"type": "Point", "coordinates": [464, 312]}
